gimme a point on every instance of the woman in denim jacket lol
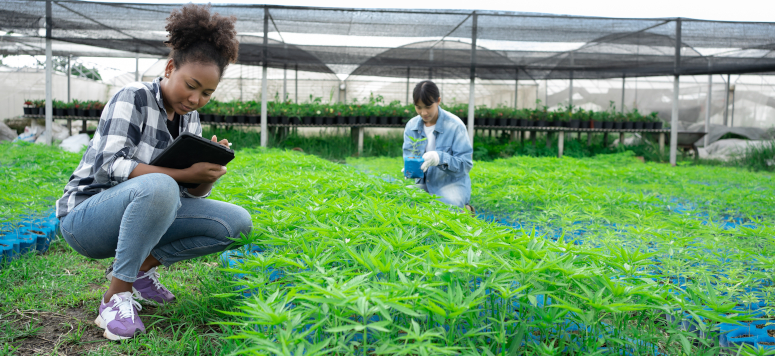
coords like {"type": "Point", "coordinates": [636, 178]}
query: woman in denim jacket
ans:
{"type": "Point", "coordinates": [447, 149]}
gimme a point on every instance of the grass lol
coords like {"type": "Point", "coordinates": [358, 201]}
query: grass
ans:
{"type": "Point", "coordinates": [600, 248]}
{"type": "Point", "coordinates": [48, 303]}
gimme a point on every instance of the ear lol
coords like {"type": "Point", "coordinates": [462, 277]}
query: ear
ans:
{"type": "Point", "coordinates": [169, 68]}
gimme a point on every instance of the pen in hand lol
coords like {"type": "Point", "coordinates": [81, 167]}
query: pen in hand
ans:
{"type": "Point", "coordinates": [224, 142]}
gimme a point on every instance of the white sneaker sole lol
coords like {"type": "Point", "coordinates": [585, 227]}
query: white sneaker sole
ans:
{"type": "Point", "coordinates": [107, 334]}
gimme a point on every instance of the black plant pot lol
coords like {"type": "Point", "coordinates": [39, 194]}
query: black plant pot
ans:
{"type": "Point", "coordinates": [330, 120]}
{"type": "Point", "coordinates": [71, 112]}
{"type": "Point", "coordinates": [639, 125]}
{"type": "Point", "coordinates": [523, 122]}
{"type": "Point", "coordinates": [383, 120]}
{"type": "Point", "coordinates": [253, 119]}
{"type": "Point", "coordinates": [80, 112]}
{"type": "Point", "coordinates": [27, 111]}
{"type": "Point", "coordinates": [284, 120]}
{"type": "Point", "coordinates": [319, 120]}
{"type": "Point", "coordinates": [59, 112]}
{"type": "Point", "coordinates": [648, 125]}
{"type": "Point", "coordinates": [628, 125]}
{"type": "Point", "coordinates": [618, 125]}
{"type": "Point", "coordinates": [596, 124]}
{"type": "Point", "coordinates": [362, 120]}
{"type": "Point", "coordinates": [480, 122]}
{"type": "Point", "coordinates": [306, 120]}
{"type": "Point", "coordinates": [229, 119]}
{"type": "Point", "coordinates": [373, 120]}
{"type": "Point", "coordinates": [395, 120]}
{"type": "Point", "coordinates": [241, 119]}
{"type": "Point", "coordinates": [539, 123]}
{"type": "Point", "coordinates": [574, 124]}
{"type": "Point", "coordinates": [608, 124]}
{"type": "Point", "coordinates": [511, 122]}
{"type": "Point", "coordinates": [272, 120]}
{"type": "Point", "coordinates": [92, 113]}
{"type": "Point", "coordinates": [658, 125]}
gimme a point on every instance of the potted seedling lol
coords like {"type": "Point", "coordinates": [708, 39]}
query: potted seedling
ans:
{"type": "Point", "coordinates": [28, 107]}
{"type": "Point", "coordinates": [412, 163]}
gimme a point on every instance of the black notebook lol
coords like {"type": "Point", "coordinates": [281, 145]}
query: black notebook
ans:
{"type": "Point", "coordinates": [188, 149]}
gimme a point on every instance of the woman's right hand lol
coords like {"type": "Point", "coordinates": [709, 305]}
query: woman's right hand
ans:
{"type": "Point", "coordinates": [204, 172]}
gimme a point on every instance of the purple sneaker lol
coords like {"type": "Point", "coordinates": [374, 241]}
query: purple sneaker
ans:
{"type": "Point", "coordinates": [147, 286]}
{"type": "Point", "coordinates": [119, 317]}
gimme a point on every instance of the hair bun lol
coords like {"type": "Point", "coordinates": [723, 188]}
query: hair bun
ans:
{"type": "Point", "coordinates": [194, 24]}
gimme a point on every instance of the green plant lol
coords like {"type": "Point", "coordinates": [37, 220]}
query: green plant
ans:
{"type": "Point", "coordinates": [415, 145]}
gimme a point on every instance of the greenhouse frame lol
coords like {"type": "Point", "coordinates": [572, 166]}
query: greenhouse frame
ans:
{"type": "Point", "coordinates": [445, 45]}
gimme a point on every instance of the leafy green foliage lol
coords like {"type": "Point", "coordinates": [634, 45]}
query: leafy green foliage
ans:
{"type": "Point", "coordinates": [33, 178]}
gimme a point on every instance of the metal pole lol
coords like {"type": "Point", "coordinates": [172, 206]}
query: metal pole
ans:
{"type": "Point", "coordinates": [726, 100]}
{"type": "Point", "coordinates": [708, 107]}
{"type": "Point", "coordinates": [516, 87]}
{"type": "Point", "coordinates": [676, 88]}
{"type": "Point", "coordinates": [49, 102]}
{"type": "Point", "coordinates": [623, 81]}
{"type": "Point", "coordinates": [285, 82]}
{"type": "Point", "coordinates": [430, 65]}
{"type": "Point", "coordinates": [408, 69]}
{"type": "Point", "coordinates": [296, 83]}
{"type": "Point", "coordinates": [570, 90]}
{"type": "Point", "coordinates": [732, 117]}
{"type": "Point", "coordinates": [471, 88]}
{"type": "Point", "coordinates": [137, 66]}
{"type": "Point", "coordinates": [546, 93]}
{"type": "Point", "coordinates": [68, 77]}
{"type": "Point", "coordinates": [264, 119]}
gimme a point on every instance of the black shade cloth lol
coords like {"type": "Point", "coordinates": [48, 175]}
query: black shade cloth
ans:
{"type": "Point", "coordinates": [510, 44]}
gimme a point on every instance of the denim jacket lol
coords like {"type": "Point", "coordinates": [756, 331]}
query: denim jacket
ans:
{"type": "Point", "coordinates": [449, 179]}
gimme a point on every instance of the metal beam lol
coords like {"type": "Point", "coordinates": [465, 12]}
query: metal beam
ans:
{"type": "Point", "coordinates": [624, 77]}
{"type": "Point", "coordinates": [49, 70]}
{"type": "Point", "coordinates": [285, 82]}
{"type": "Point", "coordinates": [676, 88]}
{"type": "Point", "coordinates": [264, 119]}
{"type": "Point", "coordinates": [408, 71]}
{"type": "Point", "coordinates": [516, 88]}
{"type": "Point", "coordinates": [296, 84]}
{"type": "Point", "coordinates": [471, 88]}
{"type": "Point", "coordinates": [726, 101]}
{"type": "Point", "coordinates": [137, 66]}
{"type": "Point", "coordinates": [732, 116]}
{"type": "Point", "coordinates": [69, 58]}
{"type": "Point", "coordinates": [708, 106]}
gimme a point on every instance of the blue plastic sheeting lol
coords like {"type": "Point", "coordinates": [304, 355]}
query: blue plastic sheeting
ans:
{"type": "Point", "coordinates": [28, 235]}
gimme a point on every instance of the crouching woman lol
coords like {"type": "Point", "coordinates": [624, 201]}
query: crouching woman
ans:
{"type": "Point", "coordinates": [446, 149]}
{"type": "Point", "coordinates": [117, 205]}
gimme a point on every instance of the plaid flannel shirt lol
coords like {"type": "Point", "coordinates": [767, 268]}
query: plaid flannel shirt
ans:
{"type": "Point", "coordinates": [132, 130]}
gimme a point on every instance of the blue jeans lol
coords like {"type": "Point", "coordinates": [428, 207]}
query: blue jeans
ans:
{"type": "Point", "coordinates": [146, 215]}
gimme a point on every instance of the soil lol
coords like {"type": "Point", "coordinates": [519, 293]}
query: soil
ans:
{"type": "Point", "coordinates": [771, 332]}
{"type": "Point", "coordinates": [767, 343]}
{"type": "Point", "coordinates": [741, 336]}
{"type": "Point", "coordinates": [58, 332]}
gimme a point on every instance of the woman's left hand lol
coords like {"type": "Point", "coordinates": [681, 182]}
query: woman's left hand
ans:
{"type": "Point", "coordinates": [224, 142]}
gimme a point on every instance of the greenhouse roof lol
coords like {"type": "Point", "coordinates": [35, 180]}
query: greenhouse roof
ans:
{"type": "Point", "coordinates": [394, 42]}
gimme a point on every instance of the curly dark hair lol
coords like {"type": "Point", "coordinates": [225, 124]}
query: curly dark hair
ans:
{"type": "Point", "coordinates": [195, 35]}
